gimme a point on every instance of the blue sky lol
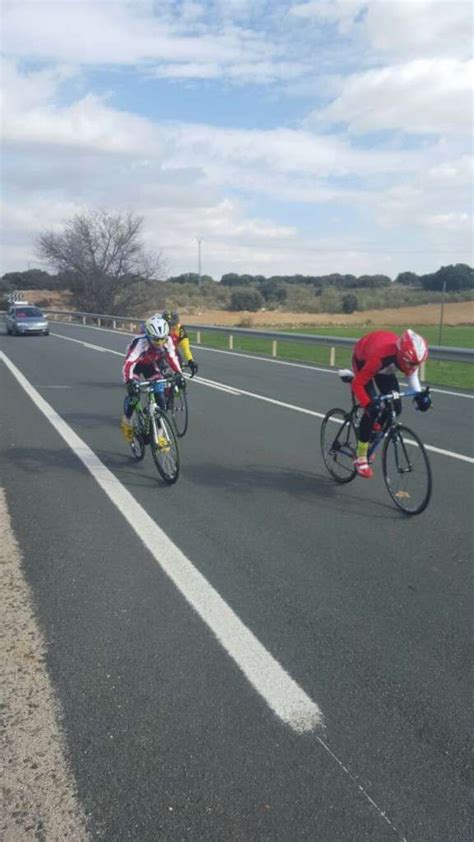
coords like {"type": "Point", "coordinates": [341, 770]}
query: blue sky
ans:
{"type": "Point", "coordinates": [289, 137]}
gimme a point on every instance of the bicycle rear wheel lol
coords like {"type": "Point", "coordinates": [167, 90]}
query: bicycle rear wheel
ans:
{"type": "Point", "coordinates": [164, 448]}
{"type": "Point", "coordinates": [137, 445]}
{"type": "Point", "coordinates": [178, 406]}
{"type": "Point", "coordinates": [406, 470]}
{"type": "Point", "coordinates": [339, 445]}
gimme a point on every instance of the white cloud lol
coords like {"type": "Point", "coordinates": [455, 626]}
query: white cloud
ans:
{"type": "Point", "coordinates": [422, 96]}
{"type": "Point", "coordinates": [421, 28]}
{"type": "Point", "coordinates": [120, 33]}
{"type": "Point", "coordinates": [400, 29]}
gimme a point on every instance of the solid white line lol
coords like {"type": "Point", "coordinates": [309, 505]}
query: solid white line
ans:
{"type": "Point", "coordinates": [233, 391]}
{"type": "Point", "coordinates": [252, 357]}
{"type": "Point", "coordinates": [283, 695]}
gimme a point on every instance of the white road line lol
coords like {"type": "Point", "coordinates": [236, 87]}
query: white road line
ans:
{"type": "Point", "coordinates": [234, 391]}
{"type": "Point", "coordinates": [310, 367]}
{"type": "Point", "coordinates": [81, 342]}
{"type": "Point", "coordinates": [431, 447]}
{"type": "Point", "coordinates": [214, 385]}
{"type": "Point", "coordinates": [252, 357]}
{"type": "Point", "coordinates": [281, 693]}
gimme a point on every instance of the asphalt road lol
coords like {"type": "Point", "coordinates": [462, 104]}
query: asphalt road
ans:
{"type": "Point", "coordinates": [368, 612]}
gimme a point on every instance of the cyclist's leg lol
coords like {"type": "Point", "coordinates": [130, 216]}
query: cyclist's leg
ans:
{"type": "Point", "coordinates": [129, 404]}
{"type": "Point", "coordinates": [389, 383]}
{"type": "Point", "coordinates": [365, 432]}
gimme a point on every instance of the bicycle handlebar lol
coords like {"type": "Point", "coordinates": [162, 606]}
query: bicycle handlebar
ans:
{"type": "Point", "coordinates": [397, 395]}
{"type": "Point", "coordinates": [148, 385]}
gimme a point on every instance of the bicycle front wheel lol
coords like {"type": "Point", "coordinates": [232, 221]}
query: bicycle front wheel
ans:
{"type": "Point", "coordinates": [339, 445]}
{"type": "Point", "coordinates": [164, 448]}
{"type": "Point", "coordinates": [137, 445]}
{"type": "Point", "coordinates": [407, 470]}
{"type": "Point", "coordinates": [178, 406]}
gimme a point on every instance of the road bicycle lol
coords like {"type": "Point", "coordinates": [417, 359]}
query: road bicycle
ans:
{"type": "Point", "coordinates": [153, 426]}
{"type": "Point", "coordinates": [405, 465]}
{"type": "Point", "coordinates": [177, 405]}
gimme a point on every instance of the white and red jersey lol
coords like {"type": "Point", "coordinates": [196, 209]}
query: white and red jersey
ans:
{"type": "Point", "coordinates": [142, 352]}
{"type": "Point", "coordinates": [377, 353]}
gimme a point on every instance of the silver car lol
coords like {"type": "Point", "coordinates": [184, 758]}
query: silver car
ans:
{"type": "Point", "coordinates": [23, 319]}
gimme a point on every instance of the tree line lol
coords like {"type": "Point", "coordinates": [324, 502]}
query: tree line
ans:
{"type": "Point", "coordinates": [101, 259]}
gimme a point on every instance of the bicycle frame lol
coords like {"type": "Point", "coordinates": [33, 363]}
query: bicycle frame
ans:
{"type": "Point", "coordinates": [149, 411]}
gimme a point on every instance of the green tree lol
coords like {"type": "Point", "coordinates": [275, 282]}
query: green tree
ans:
{"type": "Point", "coordinates": [29, 279]}
{"type": "Point", "coordinates": [408, 279]}
{"type": "Point", "coordinates": [458, 276]}
{"type": "Point", "coordinates": [246, 299]}
{"type": "Point", "coordinates": [350, 303]}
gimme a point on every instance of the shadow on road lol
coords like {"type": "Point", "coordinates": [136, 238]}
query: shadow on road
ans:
{"type": "Point", "coordinates": [249, 479]}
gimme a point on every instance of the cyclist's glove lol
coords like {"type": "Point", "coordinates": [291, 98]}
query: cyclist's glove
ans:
{"type": "Point", "coordinates": [133, 388]}
{"type": "Point", "coordinates": [193, 367]}
{"type": "Point", "coordinates": [422, 401]}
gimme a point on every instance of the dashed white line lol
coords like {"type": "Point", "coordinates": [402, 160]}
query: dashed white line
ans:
{"type": "Point", "coordinates": [224, 387]}
{"type": "Point", "coordinates": [254, 357]}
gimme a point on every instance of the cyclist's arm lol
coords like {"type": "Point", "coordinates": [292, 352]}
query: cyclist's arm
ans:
{"type": "Point", "coordinates": [413, 381]}
{"type": "Point", "coordinates": [368, 371]}
{"type": "Point", "coordinates": [134, 352]}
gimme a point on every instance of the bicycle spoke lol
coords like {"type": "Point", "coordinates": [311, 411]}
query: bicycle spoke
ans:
{"type": "Point", "coordinates": [407, 471]}
{"type": "Point", "coordinates": [338, 446]}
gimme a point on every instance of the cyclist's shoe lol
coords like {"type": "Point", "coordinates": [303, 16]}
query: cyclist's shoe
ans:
{"type": "Point", "coordinates": [163, 443]}
{"type": "Point", "coordinates": [127, 430]}
{"type": "Point", "coordinates": [363, 468]}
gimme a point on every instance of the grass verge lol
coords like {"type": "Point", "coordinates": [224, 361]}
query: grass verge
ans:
{"type": "Point", "coordinates": [438, 373]}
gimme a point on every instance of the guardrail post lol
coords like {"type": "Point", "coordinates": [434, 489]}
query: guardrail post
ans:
{"type": "Point", "coordinates": [231, 342]}
{"type": "Point", "coordinates": [198, 337]}
{"type": "Point", "coordinates": [131, 327]}
{"type": "Point", "coordinates": [332, 356]}
{"type": "Point", "coordinates": [83, 320]}
{"type": "Point", "coordinates": [99, 322]}
{"type": "Point", "coordinates": [423, 371]}
{"type": "Point", "coordinates": [70, 318]}
{"type": "Point", "coordinates": [114, 324]}
{"type": "Point", "coordinates": [274, 348]}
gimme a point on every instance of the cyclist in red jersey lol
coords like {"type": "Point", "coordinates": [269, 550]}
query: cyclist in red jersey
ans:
{"type": "Point", "coordinates": [377, 358]}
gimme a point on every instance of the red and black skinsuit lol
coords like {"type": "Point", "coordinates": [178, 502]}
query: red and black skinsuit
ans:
{"type": "Point", "coordinates": [376, 362]}
{"type": "Point", "coordinates": [142, 357]}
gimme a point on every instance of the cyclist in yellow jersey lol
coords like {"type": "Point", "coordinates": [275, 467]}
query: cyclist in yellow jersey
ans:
{"type": "Point", "coordinates": [180, 339]}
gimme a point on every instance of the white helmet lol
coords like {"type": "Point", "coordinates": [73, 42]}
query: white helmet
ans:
{"type": "Point", "coordinates": [157, 330]}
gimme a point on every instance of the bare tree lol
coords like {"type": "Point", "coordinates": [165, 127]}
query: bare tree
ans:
{"type": "Point", "coordinates": [102, 258]}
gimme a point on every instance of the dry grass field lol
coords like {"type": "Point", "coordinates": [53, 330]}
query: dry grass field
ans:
{"type": "Point", "coordinates": [458, 313]}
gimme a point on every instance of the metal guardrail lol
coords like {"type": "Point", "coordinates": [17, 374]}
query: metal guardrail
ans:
{"type": "Point", "coordinates": [437, 352]}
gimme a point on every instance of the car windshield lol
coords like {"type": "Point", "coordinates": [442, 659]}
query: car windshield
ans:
{"type": "Point", "coordinates": [29, 313]}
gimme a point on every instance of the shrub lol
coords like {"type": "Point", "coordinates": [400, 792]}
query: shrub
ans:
{"type": "Point", "coordinates": [350, 303]}
{"type": "Point", "coordinates": [246, 299]}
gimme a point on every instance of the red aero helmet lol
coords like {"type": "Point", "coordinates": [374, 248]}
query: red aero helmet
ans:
{"type": "Point", "coordinates": [412, 349]}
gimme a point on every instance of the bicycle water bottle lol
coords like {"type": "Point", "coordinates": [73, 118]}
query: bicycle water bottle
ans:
{"type": "Point", "coordinates": [159, 390]}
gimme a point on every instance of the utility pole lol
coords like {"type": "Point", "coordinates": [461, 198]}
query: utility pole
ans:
{"type": "Point", "coordinates": [442, 313]}
{"type": "Point", "coordinates": [199, 261]}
